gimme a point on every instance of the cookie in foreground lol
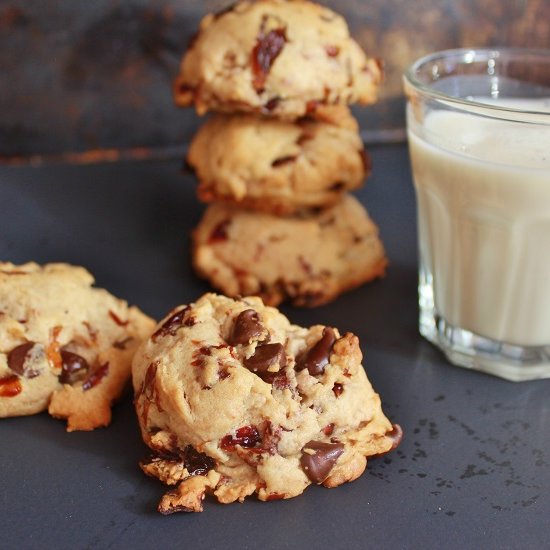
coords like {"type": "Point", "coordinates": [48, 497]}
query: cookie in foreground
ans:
{"type": "Point", "coordinates": [276, 166]}
{"type": "Point", "coordinates": [65, 346]}
{"type": "Point", "coordinates": [308, 259]}
{"type": "Point", "coordinates": [276, 58]}
{"type": "Point", "coordinates": [234, 400]}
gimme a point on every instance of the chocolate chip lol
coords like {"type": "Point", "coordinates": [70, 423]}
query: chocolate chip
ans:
{"type": "Point", "coordinates": [338, 389]}
{"type": "Point", "coordinates": [24, 358]}
{"type": "Point", "coordinates": [265, 358]}
{"type": "Point", "coordinates": [74, 367]}
{"type": "Point", "coordinates": [171, 325]}
{"type": "Point", "coordinates": [197, 463]}
{"type": "Point", "coordinates": [149, 379]}
{"type": "Point", "coordinates": [267, 49]}
{"type": "Point", "coordinates": [319, 458]}
{"type": "Point", "coordinates": [366, 161]}
{"type": "Point", "coordinates": [246, 327]}
{"type": "Point", "coordinates": [317, 357]}
{"type": "Point", "coordinates": [184, 88]}
{"type": "Point", "coordinates": [396, 435]}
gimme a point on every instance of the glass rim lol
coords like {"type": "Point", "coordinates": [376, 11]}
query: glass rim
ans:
{"type": "Point", "coordinates": [412, 81]}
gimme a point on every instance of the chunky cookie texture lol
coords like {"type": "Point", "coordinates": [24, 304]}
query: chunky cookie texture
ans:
{"type": "Point", "coordinates": [309, 259]}
{"type": "Point", "coordinates": [276, 58]}
{"type": "Point", "coordinates": [64, 345]}
{"type": "Point", "coordinates": [276, 166]}
{"type": "Point", "coordinates": [234, 400]}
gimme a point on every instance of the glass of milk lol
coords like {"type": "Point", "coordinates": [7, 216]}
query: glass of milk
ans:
{"type": "Point", "coordinates": [479, 138]}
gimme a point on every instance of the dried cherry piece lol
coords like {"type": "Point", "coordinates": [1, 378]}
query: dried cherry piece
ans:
{"type": "Point", "coordinates": [319, 458]}
{"type": "Point", "coordinates": [279, 380]}
{"type": "Point", "coordinates": [282, 161]}
{"type": "Point", "coordinates": [247, 436]}
{"type": "Point", "coordinates": [272, 104]}
{"type": "Point", "coordinates": [328, 429]}
{"type": "Point", "coordinates": [246, 327]}
{"type": "Point", "coordinates": [74, 367]}
{"type": "Point", "coordinates": [337, 186]}
{"type": "Point", "coordinates": [117, 319]}
{"type": "Point", "coordinates": [265, 357]}
{"type": "Point", "coordinates": [22, 358]}
{"type": "Point", "coordinates": [10, 386]}
{"type": "Point", "coordinates": [338, 389]}
{"type": "Point", "coordinates": [311, 106]}
{"type": "Point", "coordinates": [95, 377]}
{"type": "Point", "coordinates": [317, 357]}
{"type": "Point", "coordinates": [271, 437]}
{"type": "Point", "coordinates": [267, 49]}
{"type": "Point", "coordinates": [121, 344]}
{"type": "Point", "coordinates": [274, 496]}
{"type": "Point", "coordinates": [171, 325]}
{"type": "Point", "coordinates": [91, 331]}
{"type": "Point", "coordinates": [219, 233]}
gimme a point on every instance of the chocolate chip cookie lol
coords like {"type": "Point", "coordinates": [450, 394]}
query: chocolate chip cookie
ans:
{"type": "Point", "coordinates": [277, 58]}
{"type": "Point", "coordinates": [308, 259]}
{"type": "Point", "coordinates": [234, 400]}
{"type": "Point", "coordinates": [278, 166]}
{"type": "Point", "coordinates": [64, 345]}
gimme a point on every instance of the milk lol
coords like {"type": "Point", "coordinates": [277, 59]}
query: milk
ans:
{"type": "Point", "coordinates": [483, 193]}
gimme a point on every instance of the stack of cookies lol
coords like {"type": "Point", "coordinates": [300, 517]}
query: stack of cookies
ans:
{"type": "Point", "coordinates": [278, 158]}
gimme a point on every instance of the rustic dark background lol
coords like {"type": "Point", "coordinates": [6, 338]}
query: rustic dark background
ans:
{"type": "Point", "coordinates": [83, 81]}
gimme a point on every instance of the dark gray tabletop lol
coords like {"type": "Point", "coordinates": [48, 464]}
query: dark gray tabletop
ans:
{"type": "Point", "coordinates": [472, 470]}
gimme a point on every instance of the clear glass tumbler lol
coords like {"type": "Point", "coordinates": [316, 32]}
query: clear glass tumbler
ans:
{"type": "Point", "coordinates": [479, 139]}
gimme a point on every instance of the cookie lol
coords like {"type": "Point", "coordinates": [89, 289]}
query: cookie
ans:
{"type": "Point", "coordinates": [277, 58]}
{"type": "Point", "coordinates": [278, 166]}
{"type": "Point", "coordinates": [234, 400]}
{"type": "Point", "coordinates": [64, 345]}
{"type": "Point", "coordinates": [308, 259]}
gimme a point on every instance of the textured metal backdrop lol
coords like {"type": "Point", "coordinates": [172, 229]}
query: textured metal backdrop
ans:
{"type": "Point", "coordinates": [86, 81]}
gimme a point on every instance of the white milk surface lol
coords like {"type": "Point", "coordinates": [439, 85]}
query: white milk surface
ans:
{"type": "Point", "coordinates": [483, 194]}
